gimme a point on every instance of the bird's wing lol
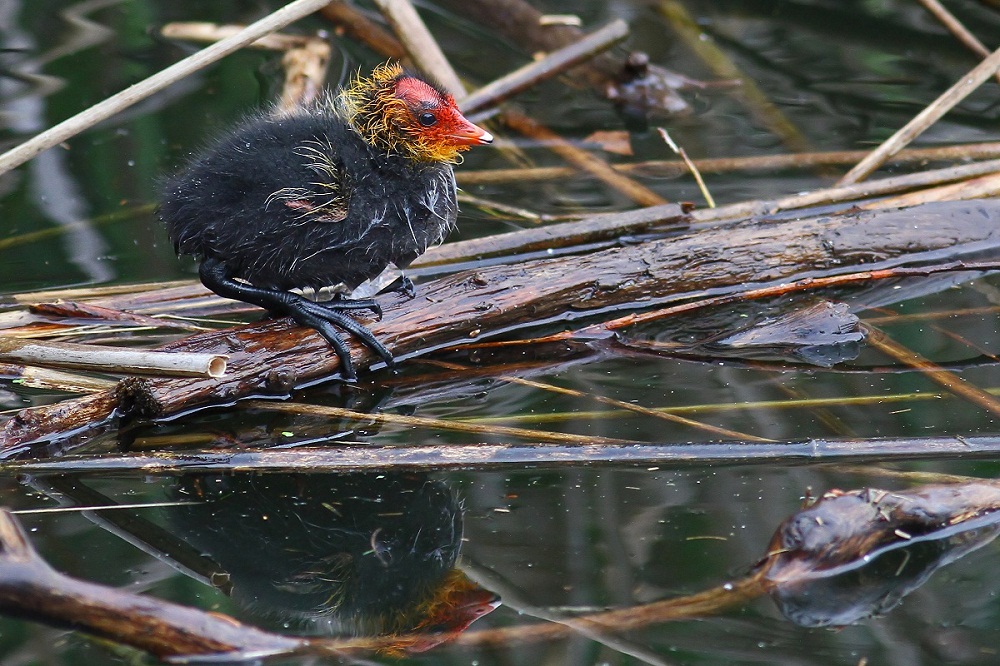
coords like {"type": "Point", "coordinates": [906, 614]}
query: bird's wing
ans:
{"type": "Point", "coordinates": [326, 196]}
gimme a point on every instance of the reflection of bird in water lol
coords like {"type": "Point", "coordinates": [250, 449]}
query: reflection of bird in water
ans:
{"type": "Point", "coordinates": [324, 195]}
{"type": "Point", "coordinates": [366, 554]}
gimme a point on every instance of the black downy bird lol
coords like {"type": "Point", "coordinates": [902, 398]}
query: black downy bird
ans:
{"type": "Point", "coordinates": [327, 194]}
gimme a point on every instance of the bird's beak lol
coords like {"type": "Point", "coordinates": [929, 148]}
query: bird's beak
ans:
{"type": "Point", "coordinates": [467, 134]}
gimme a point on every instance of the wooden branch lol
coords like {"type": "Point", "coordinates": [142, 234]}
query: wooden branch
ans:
{"type": "Point", "coordinates": [29, 587]}
{"type": "Point", "coordinates": [275, 356]}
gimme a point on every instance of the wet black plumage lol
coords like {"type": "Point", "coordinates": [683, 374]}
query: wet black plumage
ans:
{"type": "Point", "coordinates": [329, 194]}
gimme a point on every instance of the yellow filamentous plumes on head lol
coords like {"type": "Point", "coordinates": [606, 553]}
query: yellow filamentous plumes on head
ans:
{"type": "Point", "coordinates": [371, 107]}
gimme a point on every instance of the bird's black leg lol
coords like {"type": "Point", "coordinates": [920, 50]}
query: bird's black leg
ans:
{"type": "Point", "coordinates": [321, 317]}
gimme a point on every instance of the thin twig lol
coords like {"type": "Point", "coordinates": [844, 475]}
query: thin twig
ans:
{"type": "Point", "coordinates": [923, 120]}
{"type": "Point", "coordinates": [620, 404]}
{"type": "Point", "coordinates": [597, 167]}
{"type": "Point", "coordinates": [932, 371]}
{"type": "Point", "coordinates": [551, 65]}
{"type": "Point", "coordinates": [139, 91]}
{"type": "Point", "coordinates": [327, 411]}
{"type": "Point", "coordinates": [689, 164]}
{"type": "Point", "coordinates": [670, 168]}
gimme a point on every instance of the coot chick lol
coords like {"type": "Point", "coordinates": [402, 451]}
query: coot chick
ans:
{"type": "Point", "coordinates": [327, 194]}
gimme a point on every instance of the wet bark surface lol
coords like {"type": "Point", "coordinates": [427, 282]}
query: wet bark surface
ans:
{"type": "Point", "coordinates": [272, 357]}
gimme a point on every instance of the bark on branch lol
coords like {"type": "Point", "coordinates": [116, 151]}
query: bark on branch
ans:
{"type": "Point", "coordinates": [274, 356]}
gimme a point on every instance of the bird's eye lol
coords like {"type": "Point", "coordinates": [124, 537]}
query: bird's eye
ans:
{"type": "Point", "coordinates": [426, 119]}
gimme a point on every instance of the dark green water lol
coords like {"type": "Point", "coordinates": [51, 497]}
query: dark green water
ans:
{"type": "Point", "coordinates": [556, 541]}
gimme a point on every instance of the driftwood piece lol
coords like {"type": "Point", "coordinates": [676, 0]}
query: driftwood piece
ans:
{"type": "Point", "coordinates": [272, 357]}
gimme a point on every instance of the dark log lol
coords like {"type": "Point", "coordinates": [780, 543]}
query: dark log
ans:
{"type": "Point", "coordinates": [273, 357]}
{"type": "Point", "coordinates": [855, 554]}
{"type": "Point", "coordinates": [844, 526]}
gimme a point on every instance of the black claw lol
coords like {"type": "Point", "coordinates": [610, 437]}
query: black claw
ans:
{"type": "Point", "coordinates": [341, 303]}
{"type": "Point", "coordinates": [402, 285]}
{"type": "Point", "coordinates": [323, 317]}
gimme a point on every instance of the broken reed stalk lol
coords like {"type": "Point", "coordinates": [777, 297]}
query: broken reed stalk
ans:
{"type": "Point", "coordinates": [932, 371]}
{"type": "Point", "coordinates": [111, 359]}
{"type": "Point", "coordinates": [956, 28]}
{"type": "Point", "coordinates": [338, 458]}
{"type": "Point", "coordinates": [582, 159]}
{"type": "Point", "coordinates": [923, 120]}
{"type": "Point", "coordinates": [44, 378]}
{"type": "Point", "coordinates": [305, 57]}
{"type": "Point", "coordinates": [139, 91]}
{"type": "Point", "coordinates": [420, 44]}
{"type": "Point", "coordinates": [974, 188]}
{"type": "Point", "coordinates": [328, 412]}
{"type": "Point", "coordinates": [73, 293]}
{"type": "Point", "coordinates": [893, 184]}
{"type": "Point", "coordinates": [619, 404]}
{"type": "Point", "coordinates": [669, 168]}
{"type": "Point", "coordinates": [846, 193]}
{"type": "Point", "coordinates": [547, 67]}
{"type": "Point", "coordinates": [201, 31]}
{"type": "Point", "coordinates": [760, 107]}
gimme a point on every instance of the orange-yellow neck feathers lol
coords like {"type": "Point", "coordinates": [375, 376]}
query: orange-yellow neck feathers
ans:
{"type": "Point", "coordinates": [401, 114]}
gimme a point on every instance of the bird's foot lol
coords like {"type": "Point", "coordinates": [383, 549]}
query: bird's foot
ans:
{"type": "Point", "coordinates": [325, 318]}
{"type": "Point", "coordinates": [342, 303]}
{"type": "Point", "coordinates": [401, 285]}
